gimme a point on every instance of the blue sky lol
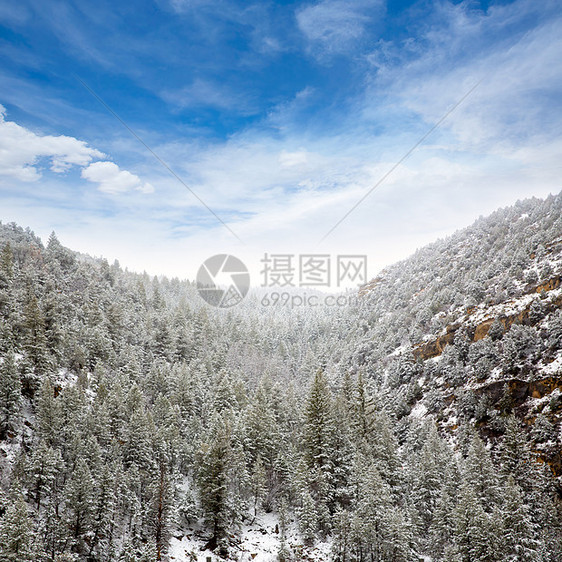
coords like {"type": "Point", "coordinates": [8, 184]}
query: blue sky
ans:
{"type": "Point", "coordinates": [280, 116]}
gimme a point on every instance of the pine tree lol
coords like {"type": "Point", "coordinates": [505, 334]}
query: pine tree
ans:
{"type": "Point", "coordinates": [363, 410]}
{"type": "Point", "coordinates": [139, 446]}
{"type": "Point", "coordinates": [441, 530]}
{"type": "Point", "coordinates": [128, 553]}
{"type": "Point", "coordinates": [53, 530]}
{"type": "Point", "coordinates": [262, 438]}
{"type": "Point", "coordinates": [308, 518]}
{"type": "Point", "coordinates": [521, 540]}
{"type": "Point", "coordinates": [49, 415]}
{"type": "Point", "coordinates": [398, 538]}
{"type": "Point", "coordinates": [481, 474]}
{"type": "Point", "coordinates": [341, 547]}
{"type": "Point", "coordinates": [475, 534]}
{"type": "Point", "coordinates": [16, 534]}
{"type": "Point", "coordinates": [45, 465]}
{"type": "Point", "coordinates": [52, 308]}
{"type": "Point", "coordinates": [213, 461]}
{"type": "Point", "coordinates": [258, 483]}
{"type": "Point", "coordinates": [10, 395]}
{"type": "Point", "coordinates": [319, 450]}
{"type": "Point", "coordinates": [261, 426]}
{"type": "Point", "coordinates": [7, 261]}
{"type": "Point", "coordinates": [319, 424]}
{"type": "Point", "coordinates": [80, 499]}
{"type": "Point", "coordinates": [103, 510]}
{"type": "Point", "coordinates": [284, 553]}
{"type": "Point", "coordinates": [35, 342]}
{"type": "Point", "coordinates": [384, 449]}
{"type": "Point", "coordinates": [371, 532]}
{"type": "Point", "coordinates": [515, 455]}
{"type": "Point", "coordinates": [432, 470]}
{"type": "Point", "coordinates": [56, 251]}
{"type": "Point", "coordinates": [6, 297]}
{"type": "Point", "coordinates": [342, 455]}
{"type": "Point", "coordinates": [163, 496]}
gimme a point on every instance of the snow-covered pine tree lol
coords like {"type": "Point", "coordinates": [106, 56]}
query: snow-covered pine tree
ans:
{"type": "Point", "coordinates": [10, 395]}
{"type": "Point", "coordinates": [16, 533]}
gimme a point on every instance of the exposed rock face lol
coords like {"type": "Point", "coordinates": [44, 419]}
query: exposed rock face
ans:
{"type": "Point", "coordinates": [509, 272]}
{"type": "Point", "coordinates": [435, 348]}
{"type": "Point", "coordinates": [549, 285]}
{"type": "Point", "coordinates": [540, 388]}
{"type": "Point", "coordinates": [519, 390]}
{"type": "Point", "coordinates": [510, 394]}
{"type": "Point", "coordinates": [514, 393]}
{"type": "Point", "coordinates": [482, 329]}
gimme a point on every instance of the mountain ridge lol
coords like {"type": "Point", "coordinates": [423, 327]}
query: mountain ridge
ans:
{"type": "Point", "coordinates": [139, 424]}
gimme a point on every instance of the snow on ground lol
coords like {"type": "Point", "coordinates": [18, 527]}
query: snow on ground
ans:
{"type": "Point", "coordinates": [188, 549]}
{"type": "Point", "coordinates": [259, 542]}
{"type": "Point", "coordinates": [9, 451]}
{"type": "Point", "coordinates": [484, 312]}
{"type": "Point", "coordinates": [507, 308]}
{"type": "Point", "coordinates": [400, 350]}
{"type": "Point", "coordinates": [261, 539]}
{"type": "Point", "coordinates": [418, 411]}
{"type": "Point", "coordinates": [64, 378]}
{"type": "Point", "coordinates": [553, 368]}
{"type": "Point", "coordinates": [537, 404]}
{"type": "Point", "coordinates": [495, 375]}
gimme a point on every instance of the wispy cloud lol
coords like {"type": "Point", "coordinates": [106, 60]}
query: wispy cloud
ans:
{"type": "Point", "coordinates": [182, 6]}
{"type": "Point", "coordinates": [13, 13]}
{"type": "Point", "coordinates": [313, 147]}
{"type": "Point", "coordinates": [485, 155]}
{"type": "Point", "coordinates": [334, 26]}
{"type": "Point", "coordinates": [78, 31]}
{"type": "Point", "coordinates": [206, 93]}
{"type": "Point", "coordinates": [520, 78]}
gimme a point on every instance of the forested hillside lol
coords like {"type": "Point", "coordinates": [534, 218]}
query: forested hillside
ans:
{"type": "Point", "coordinates": [139, 424]}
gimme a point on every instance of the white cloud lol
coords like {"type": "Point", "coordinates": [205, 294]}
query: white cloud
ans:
{"type": "Point", "coordinates": [205, 93]}
{"type": "Point", "coordinates": [520, 78]}
{"type": "Point", "coordinates": [112, 180]}
{"type": "Point", "coordinates": [181, 6]}
{"type": "Point", "coordinates": [292, 159]}
{"type": "Point", "coordinates": [21, 151]}
{"type": "Point", "coordinates": [14, 13]}
{"type": "Point", "coordinates": [200, 92]}
{"type": "Point", "coordinates": [283, 192]}
{"type": "Point", "coordinates": [334, 25]}
{"type": "Point", "coordinates": [501, 145]}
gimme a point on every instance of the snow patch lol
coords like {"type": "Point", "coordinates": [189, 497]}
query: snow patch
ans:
{"type": "Point", "coordinates": [259, 542]}
{"type": "Point", "coordinates": [553, 368]}
{"type": "Point", "coordinates": [418, 411]}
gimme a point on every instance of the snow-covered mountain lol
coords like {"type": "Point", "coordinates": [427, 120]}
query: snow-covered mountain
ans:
{"type": "Point", "coordinates": [137, 423]}
{"type": "Point", "coordinates": [470, 328]}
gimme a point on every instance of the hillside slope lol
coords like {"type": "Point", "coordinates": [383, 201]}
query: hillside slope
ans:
{"type": "Point", "coordinates": [139, 424]}
{"type": "Point", "coordinates": [469, 329]}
